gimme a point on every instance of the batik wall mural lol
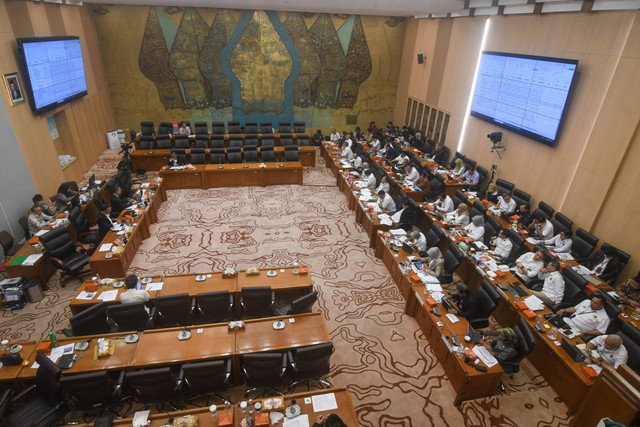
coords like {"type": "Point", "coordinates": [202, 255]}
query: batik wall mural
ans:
{"type": "Point", "coordinates": [174, 63]}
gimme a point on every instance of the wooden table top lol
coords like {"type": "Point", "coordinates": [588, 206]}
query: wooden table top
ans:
{"type": "Point", "coordinates": [186, 283]}
{"type": "Point", "coordinates": [284, 278]}
{"type": "Point", "coordinates": [27, 353]}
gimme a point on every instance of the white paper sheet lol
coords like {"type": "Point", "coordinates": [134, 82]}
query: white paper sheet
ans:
{"type": "Point", "coordinates": [396, 232]}
{"type": "Point", "coordinates": [31, 259]}
{"type": "Point", "coordinates": [41, 232]}
{"type": "Point", "coordinates": [108, 295]}
{"type": "Point", "coordinates": [534, 303]}
{"type": "Point", "coordinates": [84, 295]}
{"type": "Point", "coordinates": [105, 247]}
{"type": "Point", "coordinates": [533, 241]}
{"type": "Point", "coordinates": [453, 318]}
{"type": "Point", "coordinates": [299, 421]}
{"type": "Point", "coordinates": [434, 287]}
{"type": "Point", "coordinates": [485, 356]}
{"type": "Point", "coordinates": [324, 402]}
{"type": "Point", "coordinates": [153, 286]}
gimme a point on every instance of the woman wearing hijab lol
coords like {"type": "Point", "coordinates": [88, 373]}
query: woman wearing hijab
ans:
{"type": "Point", "coordinates": [504, 349]}
{"type": "Point", "coordinates": [434, 261]}
{"type": "Point", "coordinates": [475, 230]}
{"type": "Point", "coordinates": [459, 167]}
{"type": "Point", "coordinates": [460, 216]}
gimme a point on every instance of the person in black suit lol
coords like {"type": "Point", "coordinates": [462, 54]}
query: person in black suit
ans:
{"type": "Point", "coordinates": [392, 152]}
{"type": "Point", "coordinates": [605, 264]}
{"type": "Point", "coordinates": [439, 154]}
{"type": "Point", "coordinates": [104, 220]}
{"type": "Point", "coordinates": [118, 204]}
{"type": "Point", "coordinates": [406, 216]}
{"type": "Point", "coordinates": [468, 303]}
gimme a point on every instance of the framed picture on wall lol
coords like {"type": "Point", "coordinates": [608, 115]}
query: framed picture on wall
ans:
{"type": "Point", "coordinates": [14, 89]}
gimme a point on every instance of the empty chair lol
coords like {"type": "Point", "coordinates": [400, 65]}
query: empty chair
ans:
{"type": "Point", "coordinates": [201, 128]}
{"type": "Point", "coordinates": [504, 186]}
{"type": "Point", "coordinates": [310, 363]}
{"type": "Point", "coordinates": [486, 305]}
{"type": "Point", "coordinates": [197, 156]}
{"type": "Point", "coordinates": [519, 246]}
{"type": "Point", "coordinates": [165, 128]}
{"type": "Point", "coordinates": [521, 197]}
{"type": "Point", "coordinates": [303, 304]}
{"type": "Point", "coordinates": [217, 141]}
{"type": "Point", "coordinates": [202, 141]}
{"type": "Point", "coordinates": [284, 127]}
{"type": "Point", "coordinates": [234, 154]}
{"type": "Point", "coordinates": [147, 128]}
{"type": "Point", "coordinates": [267, 154]}
{"type": "Point", "coordinates": [236, 141]}
{"type": "Point", "coordinates": [631, 340]}
{"type": "Point", "coordinates": [206, 378]}
{"type": "Point", "coordinates": [251, 154]}
{"type": "Point", "coordinates": [218, 156]}
{"type": "Point", "coordinates": [266, 371]}
{"type": "Point", "coordinates": [214, 307]}
{"type": "Point", "coordinates": [94, 390]}
{"type": "Point", "coordinates": [437, 183]}
{"type": "Point", "coordinates": [130, 317]}
{"type": "Point", "coordinates": [291, 153]}
{"type": "Point", "coordinates": [181, 141]}
{"type": "Point", "coordinates": [267, 140]}
{"type": "Point", "coordinates": [452, 259]}
{"type": "Point", "coordinates": [24, 223]}
{"type": "Point", "coordinates": [251, 128]}
{"type": "Point", "coordinates": [48, 406]}
{"type": "Point", "coordinates": [299, 127]}
{"type": "Point", "coordinates": [286, 139]}
{"type": "Point", "coordinates": [478, 209]}
{"type": "Point", "coordinates": [146, 142]}
{"type": "Point", "coordinates": [544, 207]}
{"type": "Point", "coordinates": [303, 140]}
{"type": "Point", "coordinates": [561, 222]}
{"type": "Point", "coordinates": [459, 197]}
{"type": "Point", "coordinates": [583, 243]}
{"type": "Point", "coordinates": [570, 275]}
{"type": "Point", "coordinates": [173, 310]}
{"type": "Point", "coordinates": [153, 385]}
{"type": "Point", "coordinates": [91, 321]}
{"type": "Point", "coordinates": [80, 222]}
{"type": "Point", "coordinates": [483, 172]}
{"type": "Point", "coordinates": [251, 140]}
{"type": "Point", "coordinates": [182, 157]}
{"type": "Point", "coordinates": [257, 301]}
{"type": "Point", "coordinates": [62, 252]}
{"type": "Point", "coordinates": [163, 142]}
{"type": "Point", "coordinates": [266, 127]}
{"type": "Point", "coordinates": [490, 291]}
{"type": "Point", "coordinates": [234, 127]}
{"type": "Point", "coordinates": [6, 241]}
{"type": "Point", "coordinates": [434, 235]}
{"type": "Point", "coordinates": [217, 128]}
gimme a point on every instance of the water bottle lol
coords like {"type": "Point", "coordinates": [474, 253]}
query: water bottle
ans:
{"type": "Point", "coordinates": [54, 339]}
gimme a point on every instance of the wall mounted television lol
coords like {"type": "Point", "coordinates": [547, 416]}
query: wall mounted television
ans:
{"type": "Point", "coordinates": [53, 70]}
{"type": "Point", "coordinates": [523, 93]}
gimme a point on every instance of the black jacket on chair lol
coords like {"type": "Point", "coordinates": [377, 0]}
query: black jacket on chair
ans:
{"type": "Point", "coordinates": [610, 271]}
{"type": "Point", "coordinates": [104, 225]}
{"type": "Point", "coordinates": [406, 219]}
{"type": "Point", "coordinates": [117, 204]}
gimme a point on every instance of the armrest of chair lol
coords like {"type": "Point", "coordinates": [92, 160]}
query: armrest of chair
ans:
{"type": "Point", "coordinates": [560, 306]}
{"type": "Point", "coordinates": [227, 371]}
{"type": "Point", "coordinates": [117, 389]}
{"type": "Point", "coordinates": [57, 262]}
{"type": "Point", "coordinates": [479, 323]}
{"type": "Point", "coordinates": [23, 393]}
{"type": "Point", "coordinates": [193, 306]}
{"type": "Point", "coordinates": [231, 302]}
{"type": "Point", "coordinates": [152, 317]}
{"type": "Point", "coordinates": [446, 278]}
{"type": "Point", "coordinates": [273, 298]}
{"type": "Point", "coordinates": [180, 379]}
{"type": "Point", "coordinates": [49, 413]}
{"type": "Point", "coordinates": [284, 364]}
{"type": "Point", "coordinates": [292, 361]}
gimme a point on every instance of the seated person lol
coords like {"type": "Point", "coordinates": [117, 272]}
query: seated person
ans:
{"type": "Point", "coordinates": [118, 203]}
{"type": "Point", "coordinates": [64, 197]}
{"type": "Point", "coordinates": [401, 159]}
{"type": "Point", "coordinates": [504, 349]}
{"type": "Point", "coordinates": [392, 152]}
{"type": "Point", "coordinates": [134, 292]}
{"type": "Point", "coordinates": [335, 135]}
{"type": "Point", "coordinates": [434, 262]}
{"type": "Point", "coordinates": [46, 207]}
{"type": "Point", "coordinates": [346, 151]}
{"type": "Point", "coordinates": [605, 263]}
{"type": "Point", "coordinates": [329, 421]}
{"type": "Point", "coordinates": [37, 219]}
{"type": "Point", "coordinates": [502, 244]}
{"type": "Point", "coordinates": [458, 169]}
{"type": "Point", "coordinates": [561, 242]}
{"type": "Point", "coordinates": [444, 203]}
{"type": "Point", "coordinates": [184, 129]}
{"type": "Point", "coordinates": [460, 216]}
{"type": "Point", "coordinates": [405, 216]}
{"type": "Point", "coordinates": [369, 178]}
{"type": "Point", "coordinates": [553, 285]}
{"type": "Point", "coordinates": [542, 227]}
{"type": "Point", "coordinates": [468, 303]}
{"type": "Point", "coordinates": [423, 182]}
{"type": "Point", "coordinates": [610, 350]}
{"type": "Point", "coordinates": [507, 204]}
{"type": "Point", "coordinates": [439, 154]}
{"type": "Point", "coordinates": [104, 220]}
{"type": "Point", "coordinates": [375, 143]}
{"type": "Point", "coordinates": [386, 202]}
{"type": "Point", "coordinates": [492, 193]}
{"type": "Point", "coordinates": [420, 241]}
{"type": "Point", "coordinates": [411, 173]}
{"type": "Point", "coordinates": [317, 137]}
{"type": "Point", "coordinates": [173, 160]}
{"type": "Point", "coordinates": [475, 229]}
{"type": "Point", "coordinates": [357, 161]}
{"type": "Point", "coordinates": [372, 128]}
{"type": "Point", "coordinates": [471, 176]}
{"type": "Point", "coordinates": [629, 291]}
{"type": "Point", "coordinates": [384, 185]}
{"type": "Point", "coordinates": [528, 265]}
{"type": "Point", "coordinates": [589, 317]}
{"type": "Point", "coordinates": [524, 212]}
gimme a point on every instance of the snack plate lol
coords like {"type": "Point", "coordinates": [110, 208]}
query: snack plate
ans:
{"type": "Point", "coordinates": [118, 284]}
{"type": "Point", "coordinates": [108, 255]}
{"type": "Point", "coordinates": [146, 280]}
{"type": "Point", "coordinates": [131, 338]}
{"type": "Point", "coordinates": [292, 411]}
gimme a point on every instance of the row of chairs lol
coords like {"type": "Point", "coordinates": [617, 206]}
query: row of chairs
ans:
{"type": "Point", "coordinates": [236, 155]}
{"type": "Point", "coordinates": [165, 142]}
{"type": "Point", "coordinates": [102, 390]}
{"type": "Point", "coordinates": [182, 310]}
{"type": "Point", "coordinates": [232, 127]}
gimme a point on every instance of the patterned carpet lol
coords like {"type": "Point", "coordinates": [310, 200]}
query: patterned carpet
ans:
{"type": "Point", "coordinates": [381, 355]}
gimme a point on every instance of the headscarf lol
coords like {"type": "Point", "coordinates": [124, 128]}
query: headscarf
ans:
{"type": "Point", "coordinates": [435, 257]}
{"type": "Point", "coordinates": [463, 209]}
{"type": "Point", "coordinates": [509, 335]}
{"type": "Point", "coordinates": [478, 221]}
{"type": "Point", "coordinates": [459, 165]}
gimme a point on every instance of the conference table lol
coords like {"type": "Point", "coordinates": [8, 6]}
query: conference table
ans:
{"type": "Point", "coordinates": [285, 284]}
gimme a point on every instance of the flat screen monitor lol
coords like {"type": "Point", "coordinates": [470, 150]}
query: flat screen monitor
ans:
{"type": "Point", "coordinates": [53, 70]}
{"type": "Point", "coordinates": [524, 94]}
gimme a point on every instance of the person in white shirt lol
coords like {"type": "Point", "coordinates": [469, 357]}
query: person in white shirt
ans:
{"type": "Point", "coordinates": [369, 178]}
{"type": "Point", "coordinates": [561, 242]}
{"type": "Point", "coordinates": [553, 286]}
{"type": "Point", "coordinates": [444, 203]}
{"type": "Point", "coordinates": [507, 204]}
{"type": "Point", "coordinates": [386, 202]}
{"type": "Point", "coordinates": [37, 220]}
{"type": "Point", "coordinates": [503, 244]}
{"type": "Point", "coordinates": [357, 161]}
{"type": "Point", "coordinates": [133, 295]}
{"type": "Point", "coordinates": [420, 241]}
{"type": "Point", "coordinates": [609, 348]}
{"type": "Point", "coordinates": [459, 167]}
{"type": "Point", "coordinates": [348, 141]}
{"type": "Point", "coordinates": [335, 135]}
{"type": "Point", "coordinates": [184, 129]}
{"type": "Point", "coordinates": [401, 159]}
{"type": "Point", "coordinates": [346, 152]}
{"type": "Point", "coordinates": [528, 265]}
{"type": "Point", "coordinates": [475, 229]}
{"type": "Point", "coordinates": [412, 173]}
{"type": "Point", "coordinates": [384, 185]}
{"type": "Point", "coordinates": [542, 227]}
{"type": "Point", "coordinates": [375, 143]}
{"type": "Point", "coordinates": [460, 216]}
{"type": "Point", "coordinates": [589, 317]}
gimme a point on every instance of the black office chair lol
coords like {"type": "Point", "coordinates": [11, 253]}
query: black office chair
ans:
{"type": "Point", "coordinates": [456, 156]}
{"type": "Point", "coordinates": [437, 183]}
{"type": "Point", "coordinates": [504, 186]}
{"type": "Point", "coordinates": [519, 246]}
{"type": "Point", "coordinates": [469, 163]}
{"type": "Point", "coordinates": [622, 256]}
{"type": "Point", "coordinates": [266, 127]}
{"type": "Point", "coordinates": [146, 142]}
{"type": "Point", "coordinates": [265, 371]}
{"type": "Point", "coordinates": [217, 141]}
{"type": "Point", "coordinates": [304, 304]}
{"type": "Point", "coordinates": [303, 140]}
{"type": "Point", "coordinates": [452, 258]}
{"type": "Point", "coordinates": [214, 307]}
{"type": "Point", "coordinates": [180, 142]}
{"type": "Point", "coordinates": [62, 253]}
{"type": "Point", "coordinates": [490, 230]}
{"type": "Point", "coordinates": [201, 128]}
{"type": "Point", "coordinates": [202, 141]}
{"type": "Point", "coordinates": [284, 127]}
{"type": "Point", "coordinates": [286, 139]}
{"type": "Point", "coordinates": [572, 294]}
{"type": "Point", "coordinates": [180, 153]}
{"type": "Point", "coordinates": [24, 223]}
{"type": "Point", "coordinates": [159, 385]}
{"type": "Point", "coordinates": [434, 235]}
{"type": "Point", "coordinates": [491, 291]}
{"type": "Point", "coordinates": [147, 128]}
{"type": "Point", "coordinates": [163, 142]}
{"type": "Point", "coordinates": [131, 317]}
{"type": "Point", "coordinates": [526, 343]}
{"type": "Point", "coordinates": [251, 154]}
{"type": "Point", "coordinates": [310, 363]}
{"type": "Point", "coordinates": [299, 127]}
{"type": "Point", "coordinates": [91, 321]}
{"type": "Point", "coordinates": [291, 153]}
{"type": "Point", "coordinates": [234, 154]}
{"type": "Point", "coordinates": [218, 156]}
{"type": "Point", "coordinates": [267, 140]}
{"type": "Point", "coordinates": [251, 128]}
{"type": "Point", "coordinates": [478, 209]}
{"type": "Point", "coordinates": [49, 406]}
{"type": "Point", "coordinates": [95, 390]}
{"type": "Point", "coordinates": [483, 172]}
{"type": "Point", "coordinates": [198, 156]}
{"type": "Point", "coordinates": [6, 397]}
{"type": "Point", "coordinates": [267, 154]}
{"type": "Point", "coordinates": [459, 197]}
{"type": "Point", "coordinates": [487, 305]}
{"type": "Point", "coordinates": [234, 127]}
{"type": "Point", "coordinates": [217, 128]}
{"type": "Point", "coordinates": [583, 243]}
{"type": "Point", "coordinates": [165, 128]}
{"type": "Point", "coordinates": [236, 141]}
{"type": "Point", "coordinates": [251, 140]}
{"type": "Point", "coordinates": [206, 378]}
{"type": "Point", "coordinates": [6, 241]}
{"type": "Point", "coordinates": [631, 340]}
{"type": "Point", "coordinates": [80, 222]}
{"type": "Point", "coordinates": [174, 310]}
{"type": "Point", "coordinates": [257, 301]}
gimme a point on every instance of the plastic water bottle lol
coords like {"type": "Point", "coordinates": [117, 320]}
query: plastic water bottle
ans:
{"type": "Point", "coordinates": [54, 339]}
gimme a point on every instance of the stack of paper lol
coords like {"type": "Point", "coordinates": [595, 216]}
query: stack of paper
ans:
{"type": "Point", "coordinates": [533, 241]}
{"type": "Point", "coordinates": [105, 247]}
{"type": "Point", "coordinates": [397, 232]}
{"type": "Point", "coordinates": [534, 303]}
{"type": "Point", "coordinates": [565, 256]}
{"type": "Point", "coordinates": [31, 259]}
{"type": "Point", "coordinates": [154, 286]}
{"type": "Point", "coordinates": [485, 356]}
{"type": "Point", "coordinates": [84, 295]}
{"type": "Point", "coordinates": [384, 219]}
{"type": "Point", "coordinates": [108, 295]}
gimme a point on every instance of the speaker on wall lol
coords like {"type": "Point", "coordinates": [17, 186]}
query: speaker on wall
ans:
{"type": "Point", "coordinates": [420, 58]}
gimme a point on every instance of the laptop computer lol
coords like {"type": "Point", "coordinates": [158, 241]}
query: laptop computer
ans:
{"type": "Point", "coordinates": [558, 321]}
{"type": "Point", "coordinates": [92, 181]}
{"type": "Point", "coordinates": [446, 303]}
{"type": "Point", "coordinates": [473, 335]}
{"type": "Point", "coordinates": [572, 351]}
{"type": "Point", "coordinates": [407, 248]}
